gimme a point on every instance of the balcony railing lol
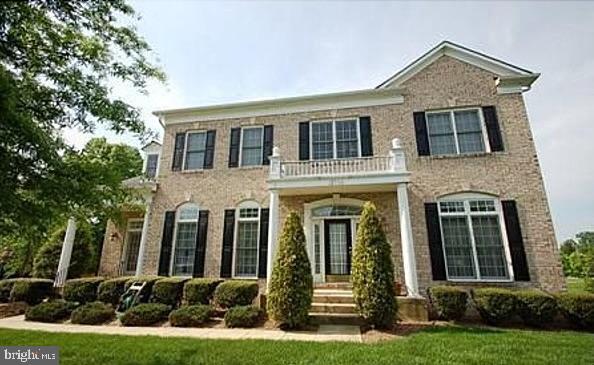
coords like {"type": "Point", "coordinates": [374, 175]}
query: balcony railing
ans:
{"type": "Point", "coordinates": [359, 166]}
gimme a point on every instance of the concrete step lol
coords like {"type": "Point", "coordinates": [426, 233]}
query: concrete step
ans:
{"type": "Point", "coordinates": [336, 319]}
{"type": "Point", "coordinates": [343, 286]}
{"type": "Point", "coordinates": [333, 296]}
{"type": "Point", "coordinates": [332, 308]}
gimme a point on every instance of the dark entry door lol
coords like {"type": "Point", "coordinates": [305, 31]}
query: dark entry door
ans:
{"type": "Point", "coordinates": [338, 246]}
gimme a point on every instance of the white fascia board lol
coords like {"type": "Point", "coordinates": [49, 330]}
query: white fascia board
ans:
{"type": "Point", "coordinates": [515, 84]}
{"type": "Point", "coordinates": [343, 100]}
{"type": "Point", "coordinates": [334, 181]}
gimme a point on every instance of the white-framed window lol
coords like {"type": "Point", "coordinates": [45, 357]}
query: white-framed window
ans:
{"type": "Point", "coordinates": [195, 150]}
{"type": "Point", "coordinates": [252, 141]}
{"type": "Point", "coordinates": [335, 139]}
{"type": "Point", "coordinates": [184, 244]}
{"type": "Point", "coordinates": [457, 131]}
{"type": "Point", "coordinates": [152, 164]}
{"type": "Point", "coordinates": [247, 237]}
{"type": "Point", "coordinates": [133, 237]}
{"type": "Point", "coordinates": [474, 243]}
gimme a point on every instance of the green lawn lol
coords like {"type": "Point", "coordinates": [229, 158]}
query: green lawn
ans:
{"type": "Point", "coordinates": [575, 284]}
{"type": "Point", "coordinates": [453, 345]}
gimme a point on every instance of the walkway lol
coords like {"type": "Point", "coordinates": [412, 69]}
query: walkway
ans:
{"type": "Point", "coordinates": [325, 333]}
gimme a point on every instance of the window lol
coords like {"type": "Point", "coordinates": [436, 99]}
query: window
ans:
{"type": "Point", "coordinates": [336, 210]}
{"type": "Point", "coordinates": [456, 132]}
{"type": "Point", "coordinates": [335, 139]}
{"type": "Point", "coordinates": [152, 160]}
{"type": "Point", "coordinates": [246, 240]}
{"type": "Point", "coordinates": [195, 150]}
{"type": "Point", "coordinates": [251, 146]}
{"type": "Point", "coordinates": [472, 239]}
{"type": "Point", "coordinates": [133, 237]}
{"type": "Point", "coordinates": [185, 240]}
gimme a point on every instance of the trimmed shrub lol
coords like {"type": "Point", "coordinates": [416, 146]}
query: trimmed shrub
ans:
{"type": "Point", "coordinates": [536, 308]}
{"type": "Point", "coordinates": [5, 288]}
{"type": "Point", "coordinates": [449, 302]}
{"type": "Point", "coordinates": [145, 314]}
{"type": "Point", "coordinates": [93, 313]}
{"type": "Point", "coordinates": [232, 293]}
{"type": "Point", "coordinates": [83, 290]}
{"type": "Point", "coordinates": [51, 312]}
{"type": "Point", "coordinates": [168, 291]}
{"type": "Point", "coordinates": [243, 316]}
{"type": "Point", "coordinates": [32, 291]}
{"type": "Point", "coordinates": [191, 316]}
{"type": "Point", "coordinates": [373, 272]}
{"type": "Point", "coordinates": [291, 286]}
{"type": "Point", "coordinates": [495, 305]}
{"type": "Point", "coordinates": [199, 291]}
{"type": "Point", "coordinates": [578, 308]}
{"type": "Point", "coordinates": [110, 291]}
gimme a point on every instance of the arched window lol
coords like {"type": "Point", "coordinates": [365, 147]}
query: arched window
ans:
{"type": "Point", "coordinates": [336, 210]}
{"type": "Point", "coordinates": [473, 240]}
{"type": "Point", "coordinates": [246, 240]}
{"type": "Point", "coordinates": [185, 240]}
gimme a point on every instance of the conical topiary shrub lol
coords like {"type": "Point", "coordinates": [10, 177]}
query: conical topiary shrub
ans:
{"type": "Point", "coordinates": [291, 286]}
{"type": "Point", "coordinates": [373, 272]}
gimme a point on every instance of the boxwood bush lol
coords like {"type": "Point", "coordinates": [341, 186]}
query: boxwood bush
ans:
{"type": "Point", "coordinates": [110, 291]}
{"type": "Point", "coordinates": [83, 290]}
{"type": "Point", "coordinates": [168, 291]}
{"type": "Point", "coordinates": [235, 292]}
{"type": "Point", "coordinates": [199, 291]}
{"type": "Point", "coordinates": [52, 311]}
{"type": "Point", "coordinates": [495, 305]}
{"type": "Point", "coordinates": [5, 288]}
{"type": "Point", "coordinates": [145, 314]}
{"type": "Point", "coordinates": [191, 315]}
{"type": "Point", "coordinates": [578, 308]}
{"type": "Point", "coordinates": [93, 313]}
{"type": "Point", "coordinates": [32, 291]}
{"type": "Point", "coordinates": [243, 316]}
{"type": "Point", "coordinates": [449, 302]}
{"type": "Point", "coordinates": [535, 307]}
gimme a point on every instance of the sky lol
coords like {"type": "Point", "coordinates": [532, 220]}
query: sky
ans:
{"type": "Point", "coordinates": [217, 52]}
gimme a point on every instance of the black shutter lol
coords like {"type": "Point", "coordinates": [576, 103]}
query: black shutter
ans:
{"type": "Point", "coordinates": [365, 133]}
{"type": "Point", "coordinates": [421, 133]}
{"type": "Point", "coordinates": [263, 251]}
{"type": "Point", "coordinates": [304, 141]}
{"type": "Point", "coordinates": [515, 240]}
{"type": "Point", "coordinates": [166, 242]}
{"type": "Point", "coordinates": [435, 247]}
{"type": "Point", "coordinates": [178, 152]}
{"type": "Point", "coordinates": [227, 251]}
{"type": "Point", "coordinates": [211, 137]}
{"type": "Point", "coordinates": [493, 130]}
{"type": "Point", "coordinates": [234, 147]}
{"type": "Point", "coordinates": [200, 254]}
{"type": "Point", "coordinates": [268, 144]}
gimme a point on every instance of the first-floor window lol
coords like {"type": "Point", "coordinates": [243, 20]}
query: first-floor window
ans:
{"type": "Point", "coordinates": [185, 240]}
{"type": "Point", "coordinates": [133, 237]}
{"type": "Point", "coordinates": [246, 241]}
{"type": "Point", "coordinates": [473, 239]}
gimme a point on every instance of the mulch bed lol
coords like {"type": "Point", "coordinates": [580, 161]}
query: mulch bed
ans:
{"type": "Point", "coordinates": [12, 309]}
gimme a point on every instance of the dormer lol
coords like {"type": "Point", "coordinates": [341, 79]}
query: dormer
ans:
{"type": "Point", "coordinates": [151, 154]}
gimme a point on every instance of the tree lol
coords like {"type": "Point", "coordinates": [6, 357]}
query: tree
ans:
{"type": "Point", "coordinates": [373, 271]}
{"type": "Point", "coordinates": [291, 286]}
{"type": "Point", "coordinates": [577, 256]}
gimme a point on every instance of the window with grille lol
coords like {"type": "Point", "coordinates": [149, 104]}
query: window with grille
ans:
{"type": "Point", "coordinates": [246, 240]}
{"type": "Point", "coordinates": [335, 139]}
{"type": "Point", "coordinates": [185, 240]}
{"type": "Point", "coordinates": [251, 146]}
{"type": "Point", "coordinates": [456, 132]}
{"type": "Point", "coordinates": [195, 150]}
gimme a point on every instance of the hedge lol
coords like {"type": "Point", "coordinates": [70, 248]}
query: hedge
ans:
{"type": "Point", "coordinates": [200, 291]}
{"type": "Point", "coordinates": [191, 316]}
{"type": "Point", "coordinates": [536, 308]}
{"type": "Point", "coordinates": [243, 316]}
{"type": "Point", "coordinates": [495, 305]}
{"type": "Point", "coordinates": [145, 314]}
{"type": "Point", "coordinates": [578, 308]}
{"type": "Point", "coordinates": [449, 302]}
{"type": "Point", "coordinates": [32, 291]}
{"type": "Point", "coordinates": [83, 290]}
{"type": "Point", "coordinates": [111, 290]}
{"type": "Point", "coordinates": [93, 313]}
{"type": "Point", "coordinates": [51, 312]}
{"type": "Point", "coordinates": [168, 291]}
{"type": "Point", "coordinates": [5, 288]}
{"type": "Point", "coordinates": [235, 292]}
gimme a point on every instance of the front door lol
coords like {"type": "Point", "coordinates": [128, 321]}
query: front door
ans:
{"type": "Point", "coordinates": [337, 246]}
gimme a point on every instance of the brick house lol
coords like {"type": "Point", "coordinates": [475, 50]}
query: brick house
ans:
{"type": "Point", "coordinates": [443, 148]}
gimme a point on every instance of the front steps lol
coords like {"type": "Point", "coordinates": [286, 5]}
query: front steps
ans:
{"type": "Point", "coordinates": [333, 304]}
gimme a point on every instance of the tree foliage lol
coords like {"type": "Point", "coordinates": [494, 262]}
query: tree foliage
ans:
{"type": "Point", "coordinates": [373, 271]}
{"type": "Point", "coordinates": [577, 255]}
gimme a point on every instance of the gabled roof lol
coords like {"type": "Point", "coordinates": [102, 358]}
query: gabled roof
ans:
{"type": "Point", "coordinates": [509, 74]}
{"type": "Point", "coordinates": [151, 145]}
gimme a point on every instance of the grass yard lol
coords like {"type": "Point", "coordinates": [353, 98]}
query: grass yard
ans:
{"type": "Point", "coordinates": [575, 284]}
{"type": "Point", "coordinates": [453, 345]}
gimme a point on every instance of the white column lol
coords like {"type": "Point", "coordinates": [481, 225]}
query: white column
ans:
{"type": "Point", "coordinates": [272, 234]}
{"type": "Point", "coordinates": [144, 235]}
{"type": "Point", "coordinates": [406, 241]}
{"type": "Point", "coordinates": [64, 263]}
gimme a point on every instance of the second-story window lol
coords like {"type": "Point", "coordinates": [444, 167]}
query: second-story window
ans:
{"type": "Point", "coordinates": [251, 146]}
{"type": "Point", "coordinates": [455, 132]}
{"type": "Point", "coordinates": [195, 150]}
{"type": "Point", "coordinates": [152, 161]}
{"type": "Point", "coordinates": [335, 139]}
